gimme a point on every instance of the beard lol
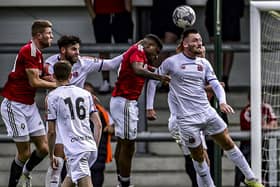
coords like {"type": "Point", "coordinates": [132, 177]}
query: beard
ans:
{"type": "Point", "coordinates": [71, 59]}
{"type": "Point", "coordinates": [45, 44]}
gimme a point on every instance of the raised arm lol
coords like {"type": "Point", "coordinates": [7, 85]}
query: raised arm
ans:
{"type": "Point", "coordinates": [110, 64]}
{"type": "Point", "coordinates": [139, 69]}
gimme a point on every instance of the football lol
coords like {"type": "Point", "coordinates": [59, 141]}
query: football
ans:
{"type": "Point", "coordinates": [183, 16]}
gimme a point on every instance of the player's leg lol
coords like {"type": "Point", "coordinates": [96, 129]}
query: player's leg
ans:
{"type": "Point", "coordinates": [68, 182]}
{"type": "Point", "coordinates": [37, 135]}
{"type": "Point", "coordinates": [174, 131]}
{"type": "Point", "coordinates": [217, 129]}
{"type": "Point", "coordinates": [125, 115]}
{"type": "Point", "coordinates": [53, 177]}
{"type": "Point", "coordinates": [37, 155]}
{"type": "Point", "coordinates": [22, 156]}
{"type": "Point", "coordinates": [85, 182]}
{"type": "Point", "coordinates": [79, 168]}
{"type": "Point", "coordinates": [201, 166]}
{"type": "Point", "coordinates": [117, 156]}
{"type": "Point", "coordinates": [97, 176]}
{"type": "Point", "coordinates": [189, 129]}
{"type": "Point", "coordinates": [125, 160]}
{"type": "Point", "coordinates": [14, 117]}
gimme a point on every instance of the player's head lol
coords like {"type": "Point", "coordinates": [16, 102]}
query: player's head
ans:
{"type": "Point", "coordinates": [152, 47]}
{"type": "Point", "coordinates": [41, 31]}
{"type": "Point", "coordinates": [62, 71]}
{"type": "Point", "coordinates": [191, 42]}
{"type": "Point", "coordinates": [69, 47]}
{"type": "Point", "coordinates": [152, 44]}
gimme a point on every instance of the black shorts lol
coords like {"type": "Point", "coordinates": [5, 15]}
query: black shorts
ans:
{"type": "Point", "coordinates": [232, 11]}
{"type": "Point", "coordinates": [118, 25]}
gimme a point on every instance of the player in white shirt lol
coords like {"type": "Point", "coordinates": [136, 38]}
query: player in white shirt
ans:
{"type": "Point", "coordinates": [82, 66]}
{"type": "Point", "coordinates": [189, 74]}
{"type": "Point", "coordinates": [173, 128]}
{"type": "Point", "coordinates": [69, 110]}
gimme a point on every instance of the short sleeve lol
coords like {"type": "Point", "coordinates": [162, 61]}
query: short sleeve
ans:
{"type": "Point", "coordinates": [51, 108]}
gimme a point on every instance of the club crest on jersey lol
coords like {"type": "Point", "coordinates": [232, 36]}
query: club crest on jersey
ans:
{"type": "Point", "coordinates": [183, 66]}
{"type": "Point", "coordinates": [199, 67]}
{"type": "Point", "coordinates": [191, 139]}
{"type": "Point", "coordinates": [75, 74]}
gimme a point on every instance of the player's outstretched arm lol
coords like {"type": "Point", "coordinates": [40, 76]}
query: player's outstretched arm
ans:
{"type": "Point", "coordinates": [110, 64]}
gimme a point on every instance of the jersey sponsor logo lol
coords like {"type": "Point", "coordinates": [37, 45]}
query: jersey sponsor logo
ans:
{"type": "Point", "coordinates": [80, 138]}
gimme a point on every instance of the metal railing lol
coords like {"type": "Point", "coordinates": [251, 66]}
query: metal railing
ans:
{"type": "Point", "coordinates": [8, 48]}
{"type": "Point", "coordinates": [155, 137]}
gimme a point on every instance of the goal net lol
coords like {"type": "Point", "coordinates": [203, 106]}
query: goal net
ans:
{"type": "Point", "coordinates": [265, 88]}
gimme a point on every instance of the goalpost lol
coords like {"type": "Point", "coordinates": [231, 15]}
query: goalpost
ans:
{"type": "Point", "coordinates": [265, 84]}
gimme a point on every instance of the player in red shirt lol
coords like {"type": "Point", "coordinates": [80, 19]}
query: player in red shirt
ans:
{"type": "Point", "coordinates": [18, 109]}
{"type": "Point", "coordinates": [123, 104]}
{"type": "Point", "coordinates": [269, 121]}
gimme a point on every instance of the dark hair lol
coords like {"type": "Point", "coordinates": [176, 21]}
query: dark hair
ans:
{"type": "Point", "coordinates": [62, 70]}
{"type": "Point", "coordinates": [155, 38]}
{"type": "Point", "coordinates": [187, 32]}
{"type": "Point", "coordinates": [39, 26]}
{"type": "Point", "coordinates": [66, 40]}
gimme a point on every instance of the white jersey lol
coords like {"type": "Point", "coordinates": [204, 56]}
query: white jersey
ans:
{"type": "Point", "coordinates": [187, 85]}
{"type": "Point", "coordinates": [71, 107]}
{"type": "Point", "coordinates": [84, 66]}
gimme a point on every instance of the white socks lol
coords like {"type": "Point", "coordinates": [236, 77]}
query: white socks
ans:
{"type": "Point", "coordinates": [202, 169]}
{"type": "Point", "coordinates": [53, 176]}
{"type": "Point", "coordinates": [239, 160]}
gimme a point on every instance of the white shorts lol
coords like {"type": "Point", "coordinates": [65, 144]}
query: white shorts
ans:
{"type": "Point", "coordinates": [174, 131]}
{"type": "Point", "coordinates": [125, 115]}
{"type": "Point", "coordinates": [78, 166]}
{"type": "Point", "coordinates": [21, 119]}
{"type": "Point", "coordinates": [190, 126]}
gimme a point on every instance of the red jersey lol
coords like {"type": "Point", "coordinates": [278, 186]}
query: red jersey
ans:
{"type": "Point", "coordinates": [245, 116]}
{"type": "Point", "coordinates": [17, 88]}
{"type": "Point", "coordinates": [109, 6]}
{"type": "Point", "coordinates": [129, 85]}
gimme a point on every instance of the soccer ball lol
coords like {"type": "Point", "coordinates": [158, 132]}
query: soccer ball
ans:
{"type": "Point", "coordinates": [183, 16]}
